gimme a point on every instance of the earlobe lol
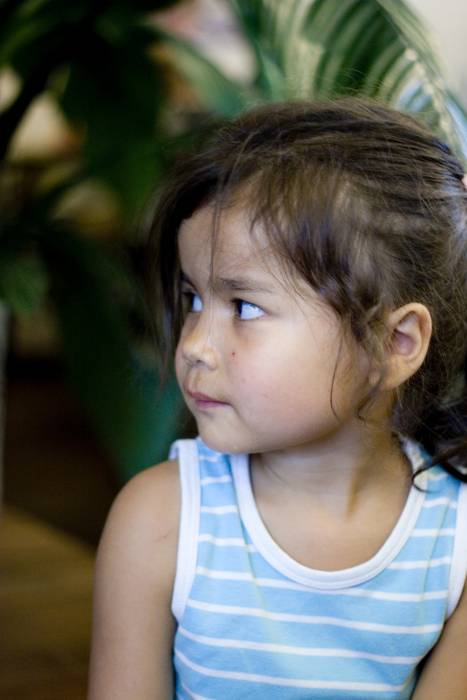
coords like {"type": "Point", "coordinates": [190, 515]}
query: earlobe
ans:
{"type": "Point", "coordinates": [410, 330]}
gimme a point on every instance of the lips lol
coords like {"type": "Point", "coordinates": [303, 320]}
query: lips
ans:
{"type": "Point", "coordinates": [200, 396]}
{"type": "Point", "coordinates": [203, 400]}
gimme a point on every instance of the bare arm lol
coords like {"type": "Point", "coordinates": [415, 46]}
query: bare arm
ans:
{"type": "Point", "coordinates": [133, 626]}
{"type": "Point", "coordinates": [445, 672]}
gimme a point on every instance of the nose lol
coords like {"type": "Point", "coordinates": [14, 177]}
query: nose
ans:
{"type": "Point", "coordinates": [197, 345]}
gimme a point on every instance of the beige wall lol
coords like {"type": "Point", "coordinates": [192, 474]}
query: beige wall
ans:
{"type": "Point", "coordinates": [447, 20]}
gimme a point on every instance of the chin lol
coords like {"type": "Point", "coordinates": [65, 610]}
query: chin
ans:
{"type": "Point", "coordinates": [223, 445]}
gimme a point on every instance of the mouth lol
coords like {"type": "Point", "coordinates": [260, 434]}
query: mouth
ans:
{"type": "Point", "coordinates": [204, 401]}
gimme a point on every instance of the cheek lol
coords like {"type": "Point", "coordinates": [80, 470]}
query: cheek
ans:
{"type": "Point", "coordinates": [258, 377]}
{"type": "Point", "coordinates": [244, 370]}
{"type": "Point", "coordinates": [179, 364]}
{"type": "Point", "coordinates": [292, 377]}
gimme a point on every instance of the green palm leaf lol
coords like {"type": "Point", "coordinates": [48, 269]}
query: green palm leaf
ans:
{"type": "Point", "coordinates": [319, 49]}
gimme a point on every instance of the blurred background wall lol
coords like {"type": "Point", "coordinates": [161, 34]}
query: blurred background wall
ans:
{"type": "Point", "coordinates": [447, 22]}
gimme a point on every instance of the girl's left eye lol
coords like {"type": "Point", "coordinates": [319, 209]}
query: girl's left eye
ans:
{"type": "Point", "coordinates": [246, 311]}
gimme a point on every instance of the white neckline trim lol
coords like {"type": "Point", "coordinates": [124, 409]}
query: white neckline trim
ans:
{"type": "Point", "coordinates": [315, 578]}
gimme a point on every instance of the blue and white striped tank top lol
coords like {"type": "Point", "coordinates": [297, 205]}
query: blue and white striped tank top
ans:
{"type": "Point", "coordinates": [254, 623]}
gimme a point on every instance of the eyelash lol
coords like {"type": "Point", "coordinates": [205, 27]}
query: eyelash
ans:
{"type": "Point", "coordinates": [236, 303]}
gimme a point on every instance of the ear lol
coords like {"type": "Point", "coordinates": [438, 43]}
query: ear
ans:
{"type": "Point", "coordinates": [409, 338]}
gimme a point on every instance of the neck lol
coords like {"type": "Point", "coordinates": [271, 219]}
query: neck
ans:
{"type": "Point", "coordinates": [333, 474]}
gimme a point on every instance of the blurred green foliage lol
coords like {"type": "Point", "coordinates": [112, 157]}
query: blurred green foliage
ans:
{"type": "Point", "coordinates": [94, 59]}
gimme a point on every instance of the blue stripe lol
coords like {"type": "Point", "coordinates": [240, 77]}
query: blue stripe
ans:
{"type": "Point", "coordinates": [242, 593]}
{"type": "Point", "coordinates": [220, 688]}
{"type": "Point", "coordinates": [296, 667]}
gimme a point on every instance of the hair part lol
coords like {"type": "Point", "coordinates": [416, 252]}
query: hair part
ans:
{"type": "Point", "coordinates": [368, 207]}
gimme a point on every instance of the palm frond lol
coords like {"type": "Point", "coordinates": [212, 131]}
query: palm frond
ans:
{"type": "Point", "coordinates": [318, 49]}
{"type": "Point", "coordinates": [375, 48]}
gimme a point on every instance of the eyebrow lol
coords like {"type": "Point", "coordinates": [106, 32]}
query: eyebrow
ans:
{"type": "Point", "coordinates": [232, 284]}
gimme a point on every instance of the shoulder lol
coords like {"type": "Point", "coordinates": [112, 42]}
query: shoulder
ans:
{"type": "Point", "coordinates": [445, 672]}
{"type": "Point", "coordinates": [143, 523]}
{"type": "Point", "coordinates": [133, 626]}
{"type": "Point", "coordinates": [153, 493]}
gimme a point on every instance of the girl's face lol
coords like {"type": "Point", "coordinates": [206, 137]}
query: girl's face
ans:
{"type": "Point", "coordinates": [257, 357]}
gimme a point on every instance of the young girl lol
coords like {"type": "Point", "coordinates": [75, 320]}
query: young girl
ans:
{"type": "Point", "coordinates": [312, 541]}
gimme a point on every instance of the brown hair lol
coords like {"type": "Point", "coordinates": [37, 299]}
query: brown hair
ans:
{"type": "Point", "coordinates": [368, 206]}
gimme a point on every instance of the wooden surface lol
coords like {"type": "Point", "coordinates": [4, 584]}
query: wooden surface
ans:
{"type": "Point", "coordinates": [45, 610]}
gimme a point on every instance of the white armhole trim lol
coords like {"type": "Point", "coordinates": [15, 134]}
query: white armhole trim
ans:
{"type": "Point", "coordinates": [186, 452]}
{"type": "Point", "coordinates": [459, 554]}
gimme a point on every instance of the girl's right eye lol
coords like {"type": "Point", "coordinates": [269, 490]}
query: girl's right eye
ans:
{"type": "Point", "coordinates": [193, 302]}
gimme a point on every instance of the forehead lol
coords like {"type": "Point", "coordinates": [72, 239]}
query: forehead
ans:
{"type": "Point", "coordinates": [230, 254]}
{"type": "Point", "coordinates": [226, 245]}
